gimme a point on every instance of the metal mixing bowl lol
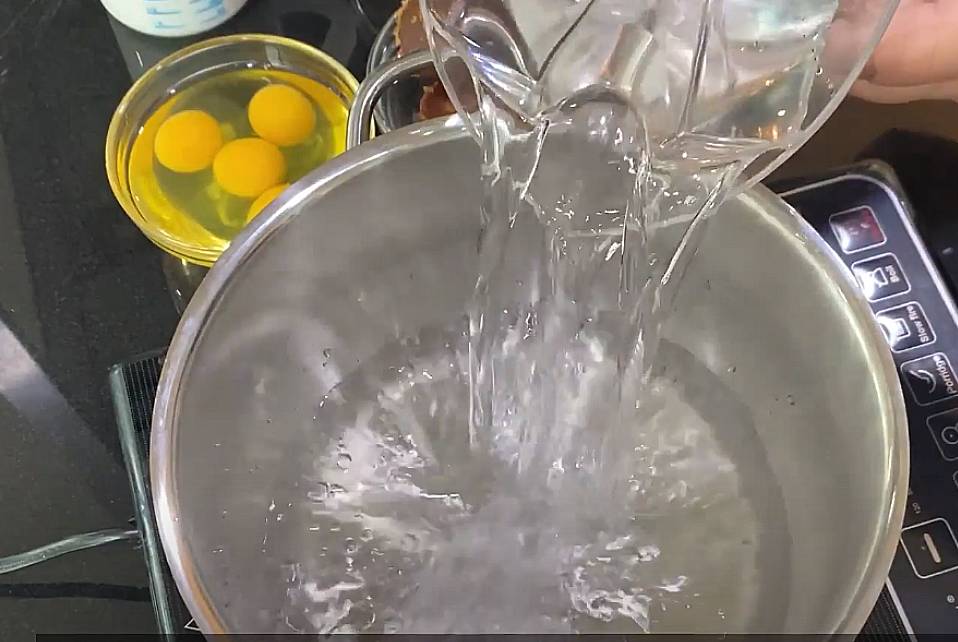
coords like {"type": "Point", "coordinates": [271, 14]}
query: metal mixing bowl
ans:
{"type": "Point", "coordinates": [381, 242]}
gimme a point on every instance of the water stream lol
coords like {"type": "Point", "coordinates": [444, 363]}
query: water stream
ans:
{"type": "Point", "coordinates": [522, 470]}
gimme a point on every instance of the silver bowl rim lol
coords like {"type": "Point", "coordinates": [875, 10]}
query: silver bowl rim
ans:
{"type": "Point", "coordinates": [384, 49]}
{"type": "Point", "coordinates": [285, 209]}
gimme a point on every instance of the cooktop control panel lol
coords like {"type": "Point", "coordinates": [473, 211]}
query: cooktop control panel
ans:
{"type": "Point", "coordinates": [863, 215]}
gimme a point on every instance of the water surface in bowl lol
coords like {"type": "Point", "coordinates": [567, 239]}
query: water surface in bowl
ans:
{"type": "Point", "coordinates": [635, 526]}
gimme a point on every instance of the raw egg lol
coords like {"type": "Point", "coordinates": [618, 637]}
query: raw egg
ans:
{"type": "Point", "coordinates": [263, 200]}
{"type": "Point", "coordinates": [247, 167]}
{"type": "Point", "coordinates": [188, 141]}
{"type": "Point", "coordinates": [282, 114]}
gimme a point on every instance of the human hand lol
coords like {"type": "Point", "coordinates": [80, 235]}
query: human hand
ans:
{"type": "Point", "coordinates": [918, 56]}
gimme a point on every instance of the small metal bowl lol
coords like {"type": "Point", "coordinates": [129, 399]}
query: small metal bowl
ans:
{"type": "Point", "coordinates": [181, 69]}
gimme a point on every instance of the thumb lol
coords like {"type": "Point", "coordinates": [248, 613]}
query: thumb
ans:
{"type": "Point", "coordinates": [920, 47]}
{"type": "Point", "coordinates": [876, 93]}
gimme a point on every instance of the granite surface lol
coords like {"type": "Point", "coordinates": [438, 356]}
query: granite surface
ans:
{"type": "Point", "coordinates": [81, 289]}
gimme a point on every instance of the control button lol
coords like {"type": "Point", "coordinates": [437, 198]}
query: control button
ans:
{"type": "Point", "coordinates": [944, 428]}
{"type": "Point", "coordinates": [930, 378]}
{"type": "Point", "coordinates": [881, 277]}
{"type": "Point", "coordinates": [906, 327]}
{"type": "Point", "coordinates": [857, 230]}
{"type": "Point", "coordinates": [931, 548]}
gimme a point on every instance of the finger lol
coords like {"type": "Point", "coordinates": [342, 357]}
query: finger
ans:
{"type": "Point", "coordinates": [894, 95]}
{"type": "Point", "coordinates": [920, 46]}
{"type": "Point", "coordinates": [851, 37]}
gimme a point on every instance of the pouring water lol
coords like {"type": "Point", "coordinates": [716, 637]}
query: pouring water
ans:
{"type": "Point", "coordinates": [526, 470]}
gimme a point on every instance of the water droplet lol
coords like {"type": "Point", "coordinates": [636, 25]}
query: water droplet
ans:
{"type": "Point", "coordinates": [409, 542]}
{"type": "Point", "coordinates": [351, 546]}
{"type": "Point", "coordinates": [674, 585]}
{"type": "Point", "coordinates": [732, 369]}
{"type": "Point", "coordinates": [790, 399]}
{"type": "Point", "coordinates": [319, 494]}
{"type": "Point", "coordinates": [327, 353]}
{"type": "Point", "coordinates": [343, 461]}
{"type": "Point", "coordinates": [648, 553]}
{"type": "Point", "coordinates": [391, 627]}
{"type": "Point", "coordinates": [366, 535]}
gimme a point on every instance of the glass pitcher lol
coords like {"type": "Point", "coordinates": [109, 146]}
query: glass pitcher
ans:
{"type": "Point", "coordinates": [766, 71]}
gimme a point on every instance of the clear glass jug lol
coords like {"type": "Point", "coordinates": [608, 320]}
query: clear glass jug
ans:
{"type": "Point", "coordinates": [667, 107]}
{"type": "Point", "coordinates": [768, 71]}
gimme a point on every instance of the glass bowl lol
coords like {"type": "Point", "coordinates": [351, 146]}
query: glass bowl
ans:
{"type": "Point", "coordinates": [183, 69]}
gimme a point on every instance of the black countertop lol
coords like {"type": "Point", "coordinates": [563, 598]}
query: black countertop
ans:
{"type": "Point", "coordinates": [82, 289]}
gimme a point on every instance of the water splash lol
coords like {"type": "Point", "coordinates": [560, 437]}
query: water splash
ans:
{"type": "Point", "coordinates": [421, 518]}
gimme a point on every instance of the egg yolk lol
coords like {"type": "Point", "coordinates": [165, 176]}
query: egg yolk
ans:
{"type": "Point", "coordinates": [282, 115]}
{"type": "Point", "coordinates": [187, 141]}
{"type": "Point", "coordinates": [263, 200]}
{"type": "Point", "coordinates": [247, 167]}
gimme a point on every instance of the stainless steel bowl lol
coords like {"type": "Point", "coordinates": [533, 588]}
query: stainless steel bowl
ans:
{"type": "Point", "coordinates": [380, 243]}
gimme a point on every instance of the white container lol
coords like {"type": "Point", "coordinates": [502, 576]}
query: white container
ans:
{"type": "Point", "coordinates": [172, 17]}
